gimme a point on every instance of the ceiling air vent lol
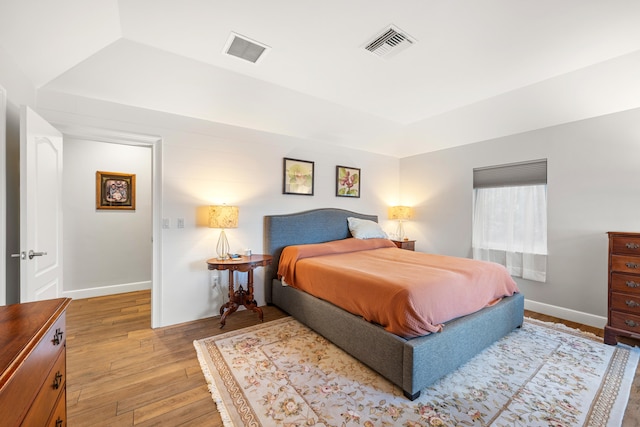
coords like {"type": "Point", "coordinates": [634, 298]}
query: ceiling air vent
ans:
{"type": "Point", "coordinates": [245, 48]}
{"type": "Point", "coordinates": [390, 42]}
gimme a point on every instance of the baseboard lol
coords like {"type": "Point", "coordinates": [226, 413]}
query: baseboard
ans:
{"type": "Point", "coordinates": [107, 290]}
{"type": "Point", "coordinates": [566, 313]}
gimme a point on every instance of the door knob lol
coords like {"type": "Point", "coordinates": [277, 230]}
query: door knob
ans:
{"type": "Point", "coordinates": [32, 254]}
{"type": "Point", "coordinates": [21, 255]}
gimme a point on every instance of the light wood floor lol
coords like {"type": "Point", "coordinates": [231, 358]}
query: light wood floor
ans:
{"type": "Point", "coordinates": [120, 372]}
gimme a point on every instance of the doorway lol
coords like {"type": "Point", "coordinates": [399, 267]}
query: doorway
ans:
{"type": "Point", "coordinates": [153, 143]}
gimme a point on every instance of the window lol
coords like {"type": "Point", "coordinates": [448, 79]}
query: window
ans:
{"type": "Point", "coordinates": [510, 217]}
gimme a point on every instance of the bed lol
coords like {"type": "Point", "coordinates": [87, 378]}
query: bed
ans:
{"type": "Point", "coordinates": [412, 364]}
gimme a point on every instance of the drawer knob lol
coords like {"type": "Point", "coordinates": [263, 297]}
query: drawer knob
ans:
{"type": "Point", "coordinates": [57, 381]}
{"type": "Point", "coordinates": [631, 265]}
{"type": "Point", "coordinates": [632, 284]}
{"type": "Point", "coordinates": [59, 422]}
{"type": "Point", "coordinates": [57, 337]}
{"type": "Point", "coordinates": [631, 323]}
{"type": "Point", "coordinates": [632, 246]}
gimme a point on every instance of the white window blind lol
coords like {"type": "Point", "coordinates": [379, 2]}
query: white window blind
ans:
{"type": "Point", "coordinates": [510, 217]}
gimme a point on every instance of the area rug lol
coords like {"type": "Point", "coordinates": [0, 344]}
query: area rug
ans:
{"type": "Point", "coordinates": [281, 373]}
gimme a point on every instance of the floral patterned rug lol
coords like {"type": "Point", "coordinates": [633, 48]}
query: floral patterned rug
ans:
{"type": "Point", "coordinates": [281, 373]}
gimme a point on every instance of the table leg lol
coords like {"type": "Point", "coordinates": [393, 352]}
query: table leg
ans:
{"type": "Point", "coordinates": [230, 305]}
{"type": "Point", "coordinates": [253, 306]}
{"type": "Point", "coordinates": [249, 302]}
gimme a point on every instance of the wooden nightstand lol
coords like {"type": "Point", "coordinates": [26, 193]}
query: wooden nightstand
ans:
{"type": "Point", "coordinates": [409, 245]}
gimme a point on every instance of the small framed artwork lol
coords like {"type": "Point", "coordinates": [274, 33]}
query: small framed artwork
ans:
{"type": "Point", "coordinates": [297, 177]}
{"type": "Point", "coordinates": [115, 190]}
{"type": "Point", "coordinates": [347, 181]}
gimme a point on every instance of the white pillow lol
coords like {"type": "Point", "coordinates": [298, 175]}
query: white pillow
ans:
{"type": "Point", "coordinates": [365, 229]}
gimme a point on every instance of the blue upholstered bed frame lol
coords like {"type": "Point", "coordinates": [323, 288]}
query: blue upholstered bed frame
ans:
{"type": "Point", "coordinates": [411, 364]}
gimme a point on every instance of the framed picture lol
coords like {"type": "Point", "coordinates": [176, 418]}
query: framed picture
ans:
{"type": "Point", "coordinates": [115, 190]}
{"type": "Point", "coordinates": [347, 181]}
{"type": "Point", "coordinates": [297, 177]}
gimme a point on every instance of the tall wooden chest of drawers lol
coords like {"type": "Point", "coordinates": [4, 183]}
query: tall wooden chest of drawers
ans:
{"type": "Point", "coordinates": [33, 364]}
{"type": "Point", "coordinates": [624, 287]}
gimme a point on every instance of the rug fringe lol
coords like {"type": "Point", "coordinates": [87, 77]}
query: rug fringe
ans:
{"type": "Point", "coordinates": [215, 394]}
{"type": "Point", "coordinates": [564, 327]}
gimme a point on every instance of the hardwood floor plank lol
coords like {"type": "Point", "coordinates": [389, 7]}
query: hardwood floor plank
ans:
{"type": "Point", "coordinates": [120, 372]}
{"type": "Point", "coordinates": [94, 414]}
{"type": "Point", "coordinates": [160, 408]}
{"type": "Point", "coordinates": [148, 397]}
{"type": "Point", "coordinates": [186, 413]}
{"type": "Point", "coordinates": [134, 381]}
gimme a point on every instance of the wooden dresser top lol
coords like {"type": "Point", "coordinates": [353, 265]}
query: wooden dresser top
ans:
{"type": "Point", "coordinates": [22, 326]}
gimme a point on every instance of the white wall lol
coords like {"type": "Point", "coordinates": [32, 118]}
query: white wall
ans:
{"type": "Point", "coordinates": [593, 187]}
{"type": "Point", "coordinates": [206, 163]}
{"type": "Point", "coordinates": [106, 251]}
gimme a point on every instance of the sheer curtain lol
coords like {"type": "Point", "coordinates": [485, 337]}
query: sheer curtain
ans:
{"type": "Point", "coordinates": [510, 228]}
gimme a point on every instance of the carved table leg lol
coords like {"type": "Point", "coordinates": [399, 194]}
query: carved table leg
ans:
{"type": "Point", "coordinates": [230, 305]}
{"type": "Point", "coordinates": [231, 309]}
{"type": "Point", "coordinates": [249, 302]}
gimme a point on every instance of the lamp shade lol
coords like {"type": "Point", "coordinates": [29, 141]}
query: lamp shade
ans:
{"type": "Point", "coordinates": [400, 212]}
{"type": "Point", "coordinates": [223, 216]}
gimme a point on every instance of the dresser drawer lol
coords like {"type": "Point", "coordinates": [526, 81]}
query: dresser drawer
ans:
{"type": "Point", "coordinates": [625, 245]}
{"type": "Point", "coordinates": [627, 322]}
{"type": "Point", "coordinates": [625, 302]}
{"type": "Point", "coordinates": [625, 264]}
{"type": "Point", "coordinates": [42, 407]}
{"type": "Point", "coordinates": [625, 283]}
{"type": "Point", "coordinates": [59, 416]}
{"type": "Point", "coordinates": [18, 394]}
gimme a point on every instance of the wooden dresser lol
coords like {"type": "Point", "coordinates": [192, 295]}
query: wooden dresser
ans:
{"type": "Point", "coordinates": [624, 287]}
{"type": "Point", "coordinates": [33, 363]}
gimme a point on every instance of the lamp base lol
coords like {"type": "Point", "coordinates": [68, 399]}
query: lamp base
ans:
{"type": "Point", "coordinates": [400, 232]}
{"type": "Point", "coordinates": [222, 248]}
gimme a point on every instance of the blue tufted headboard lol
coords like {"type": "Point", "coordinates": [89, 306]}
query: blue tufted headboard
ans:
{"type": "Point", "coordinates": [314, 226]}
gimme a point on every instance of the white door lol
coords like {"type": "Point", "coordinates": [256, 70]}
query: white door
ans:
{"type": "Point", "coordinates": [40, 208]}
{"type": "Point", "coordinates": [3, 196]}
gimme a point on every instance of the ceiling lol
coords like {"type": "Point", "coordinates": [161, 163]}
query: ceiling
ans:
{"type": "Point", "coordinates": [478, 69]}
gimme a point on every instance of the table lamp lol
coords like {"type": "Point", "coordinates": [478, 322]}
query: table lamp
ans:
{"type": "Point", "coordinates": [401, 213]}
{"type": "Point", "coordinates": [223, 217]}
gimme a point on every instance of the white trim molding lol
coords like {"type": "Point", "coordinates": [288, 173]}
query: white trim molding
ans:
{"type": "Point", "coordinates": [107, 290]}
{"type": "Point", "coordinates": [566, 313]}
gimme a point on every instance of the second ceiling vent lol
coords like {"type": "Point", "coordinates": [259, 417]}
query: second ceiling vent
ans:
{"type": "Point", "coordinates": [390, 42]}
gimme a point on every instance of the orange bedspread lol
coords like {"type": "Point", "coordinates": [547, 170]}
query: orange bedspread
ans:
{"type": "Point", "coordinates": [408, 293]}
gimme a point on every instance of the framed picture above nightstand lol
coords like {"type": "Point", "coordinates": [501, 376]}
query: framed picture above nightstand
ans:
{"type": "Point", "coordinates": [409, 245]}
